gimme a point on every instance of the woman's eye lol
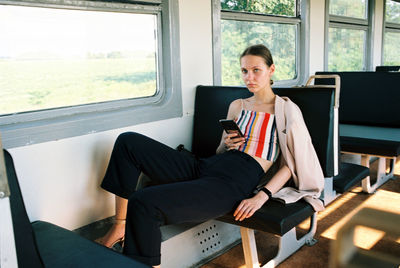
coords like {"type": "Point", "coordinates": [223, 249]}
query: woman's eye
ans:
{"type": "Point", "coordinates": [244, 71]}
{"type": "Point", "coordinates": [256, 70]}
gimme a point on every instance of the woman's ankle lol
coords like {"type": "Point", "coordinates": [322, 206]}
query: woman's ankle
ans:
{"type": "Point", "coordinates": [114, 235]}
{"type": "Point", "coordinates": [119, 221]}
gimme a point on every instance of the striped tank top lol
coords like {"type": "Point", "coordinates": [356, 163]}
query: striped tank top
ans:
{"type": "Point", "coordinates": [261, 136]}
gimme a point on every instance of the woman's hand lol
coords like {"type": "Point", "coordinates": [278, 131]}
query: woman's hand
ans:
{"type": "Point", "coordinates": [247, 207]}
{"type": "Point", "coordinates": [232, 141]}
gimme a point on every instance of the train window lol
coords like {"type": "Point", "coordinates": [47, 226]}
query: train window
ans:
{"type": "Point", "coordinates": [277, 24]}
{"type": "Point", "coordinates": [392, 11]}
{"type": "Point", "coordinates": [346, 49]}
{"type": "Point", "coordinates": [348, 8]}
{"type": "Point", "coordinates": [391, 41]}
{"type": "Point", "coordinates": [57, 57]}
{"type": "Point", "coordinates": [76, 63]}
{"type": "Point", "coordinates": [281, 8]}
{"type": "Point", "coordinates": [347, 36]}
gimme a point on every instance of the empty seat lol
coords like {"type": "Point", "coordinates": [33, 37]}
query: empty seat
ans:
{"type": "Point", "coordinates": [42, 244]}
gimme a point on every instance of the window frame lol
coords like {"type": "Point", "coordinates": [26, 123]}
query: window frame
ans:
{"type": "Point", "coordinates": [387, 27]}
{"type": "Point", "coordinates": [27, 128]}
{"type": "Point", "coordinates": [302, 42]}
{"type": "Point", "coordinates": [343, 22]}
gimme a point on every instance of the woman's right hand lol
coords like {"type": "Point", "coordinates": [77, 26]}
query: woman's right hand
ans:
{"type": "Point", "coordinates": [232, 141]}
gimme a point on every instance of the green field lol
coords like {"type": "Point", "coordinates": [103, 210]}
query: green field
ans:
{"type": "Point", "coordinates": [27, 85]}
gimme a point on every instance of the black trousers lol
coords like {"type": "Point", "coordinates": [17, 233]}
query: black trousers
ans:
{"type": "Point", "coordinates": [187, 190]}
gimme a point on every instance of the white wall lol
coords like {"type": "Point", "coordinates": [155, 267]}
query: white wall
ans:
{"type": "Point", "coordinates": [60, 179]}
{"type": "Point", "coordinates": [378, 33]}
{"type": "Point", "coordinates": [317, 35]}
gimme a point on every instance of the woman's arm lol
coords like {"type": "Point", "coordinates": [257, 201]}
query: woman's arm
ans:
{"type": "Point", "coordinates": [228, 141]}
{"type": "Point", "coordinates": [222, 147]}
{"type": "Point", "coordinates": [247, 207]}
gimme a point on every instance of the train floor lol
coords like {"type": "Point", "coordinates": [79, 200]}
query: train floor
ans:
{"type": "Point", "coordinates": [387, 197]}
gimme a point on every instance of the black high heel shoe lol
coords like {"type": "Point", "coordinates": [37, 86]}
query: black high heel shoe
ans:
{"type": "Point", "coordinates": [118, 240]}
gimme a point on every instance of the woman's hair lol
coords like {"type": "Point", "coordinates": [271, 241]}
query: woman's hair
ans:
{"type": "Point", "coordinates": [261, 51]}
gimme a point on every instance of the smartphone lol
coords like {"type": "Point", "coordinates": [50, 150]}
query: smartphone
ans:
{"type": "Point", "coordinates": [230, 126]}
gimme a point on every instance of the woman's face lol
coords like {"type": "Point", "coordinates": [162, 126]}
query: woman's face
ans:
{"type": "Point", "coordinates": [255, 73]}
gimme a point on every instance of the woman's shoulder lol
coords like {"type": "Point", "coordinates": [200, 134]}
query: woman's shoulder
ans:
{"type": "Point", "coordinates": [236, 104]}
{"type": "Point", "coordinates": [234, 108]}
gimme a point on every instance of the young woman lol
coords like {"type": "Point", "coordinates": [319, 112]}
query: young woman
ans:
{"type": "Point", "coordinates": [192, 190]}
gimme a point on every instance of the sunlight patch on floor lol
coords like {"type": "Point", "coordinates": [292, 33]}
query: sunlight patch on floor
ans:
{"type": "Point", "coordinates": [382, 200]}
{"type": "Point", "coordinates": [340, 201]}
{"type": "Point", "coordinates": [243, 266]}
{"type": "Point", "coordinates": [366, 238]}
{"type": "Point", "coordinates": [388, 201]}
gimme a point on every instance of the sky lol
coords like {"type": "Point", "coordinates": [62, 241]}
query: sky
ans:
{"type": "Point", "coordinates": [65, 33]}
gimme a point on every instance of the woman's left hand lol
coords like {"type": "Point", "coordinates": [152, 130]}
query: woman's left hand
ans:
{"type": "Point", "coordinates": [247, 207]}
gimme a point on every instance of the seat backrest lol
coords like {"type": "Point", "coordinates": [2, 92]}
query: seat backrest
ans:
{"type": "Point", "coordinates": [387, 68]}
{"type": "Point", "coordinates": [211, 104]}
{"type": "Point", "coordinates": [367, 98]}
{"type": "Point", "coordinates": [316, 104]}
{"type": "Point", "coordinates": [25, 244]}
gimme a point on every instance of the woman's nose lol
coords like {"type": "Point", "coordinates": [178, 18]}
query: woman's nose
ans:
{"type": "Point", "coordinates": [249, 76]}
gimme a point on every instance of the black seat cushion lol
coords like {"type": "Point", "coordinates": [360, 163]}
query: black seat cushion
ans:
{"type": "Point", "coordinates": [62, 248]}
{"type": "Point", "coordinates": [316, 104]}
{"type": "Point", "coordinates": [360, 92]}
{"type": "Point", "coordinates": [387, 68]}
{"type": "Point", "coordinates": [25, 245]}
{"type": "Point", "coordinates": [370, 146]}
{"type": "Point", "coordinates": [42, 244]}
{"type": "Point", "coordinates": [275, 217]}
{"type": "Point", "coordinates": [349, 175]}
{"type": "Point", "coordinates": [212, 103]}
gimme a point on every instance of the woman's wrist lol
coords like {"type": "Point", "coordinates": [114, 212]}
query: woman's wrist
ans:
{"type": "Point", "coordinates": [262, 196]}
{"type": "Point", "coordinates": [266, 192]}
{"type": "Point", "coordinates": [221, 148]}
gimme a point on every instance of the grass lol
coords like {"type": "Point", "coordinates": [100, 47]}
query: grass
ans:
{"type": "Point", "coordinates": [27, 85]}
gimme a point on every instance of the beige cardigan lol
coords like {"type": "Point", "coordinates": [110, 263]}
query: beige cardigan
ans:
{"type": "Point", "coordinates": [299, 155]}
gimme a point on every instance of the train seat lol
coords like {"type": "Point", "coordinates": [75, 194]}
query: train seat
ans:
{"type": "Point", "coordinates": [317, 105]}
{"type": "Point", "coordinates": [349, 176]}
{"type": "Point", "coordinates": [392, 68]}
{"type": "Point", "coordinates": [42, 244]}
{"type": "Point", "coordinates": [368, 123]}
